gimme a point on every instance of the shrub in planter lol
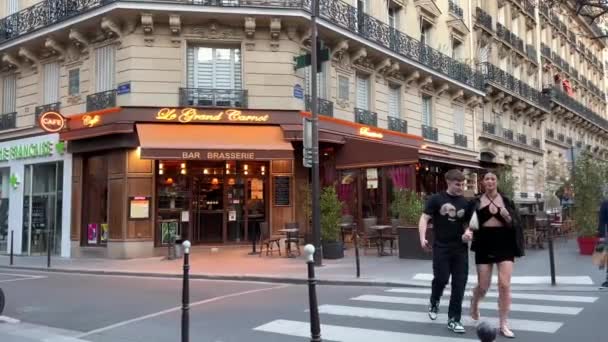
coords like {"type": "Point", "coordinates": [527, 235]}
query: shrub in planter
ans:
{"type": "Point", "coordinates": [407, 206]}
{"type": "Point", "coordinates": [588, 184]}
{"type": "Point", "coordinates": [330, 207]}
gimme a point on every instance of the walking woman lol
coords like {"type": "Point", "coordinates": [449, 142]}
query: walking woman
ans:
{"type": "Point", "coordinates": [498, 240]}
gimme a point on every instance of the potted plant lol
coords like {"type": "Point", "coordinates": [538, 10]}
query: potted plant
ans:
{"type": "Point", "coordinates": [406, 208]}
{"type": "Point", "coordinates": [588, 184]}
{"type": "Point", "coordinates": [330, 207]}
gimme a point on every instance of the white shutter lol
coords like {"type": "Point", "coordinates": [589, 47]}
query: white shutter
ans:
{"type": "Point", "coordinates": [190, 65]}
{"type": "Point", "coordinates": [12, 6]}
{"type": "Point", "coordinates": [393, 102]}
{"type": "Point", "coordinates": [213, 68]}
{"type": "Point", "coordinates": [426, 111]}
{"type": "Point", "coordinates": [51, 83]}
{"type": "Point", "coordinates": [459, 120]}
{"type": "Point", "coordinates": [105, 68]}
{"type": "Point", "coordinates": [204, 68]}
{"type": "Point", "coordinates": [9, 95]}
{"type": "Point", "coordinates": [362, 92]}
{"type": "Point", "coordinates": [223, 76]}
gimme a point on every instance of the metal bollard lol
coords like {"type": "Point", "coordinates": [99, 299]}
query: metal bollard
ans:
{"type": "Point", "coordinates": [12, 248]}
{"type": "Point", "coordinates": [315, 325]}
{"type": "Point", "coordinates": [48, 247]}
{"type": "Point", "coordinates": [186, 294]}
{"type": "Point", "coordinates": [356, 237]}
{"type": "Point", "coordinates": [551, 255]}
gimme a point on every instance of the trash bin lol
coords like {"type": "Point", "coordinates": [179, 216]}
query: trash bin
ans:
{"type": "Point", "coordinates": [178, 247]}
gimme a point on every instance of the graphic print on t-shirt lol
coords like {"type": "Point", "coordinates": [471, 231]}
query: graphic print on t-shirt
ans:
{"type": "Point", "coordinates": [448, 209]}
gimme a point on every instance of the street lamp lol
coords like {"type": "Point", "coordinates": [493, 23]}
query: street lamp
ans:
{"type": "Point", "coordinates": [316, 214]}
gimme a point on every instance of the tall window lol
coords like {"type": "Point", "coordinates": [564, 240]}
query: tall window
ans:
{"type": "Point", "coordinates": [12, 6]}
{"type": "Point", "coordinates": [214, 68]}
{"type": "Point", "coordinates": [321, 81]}
{"type": "Point", "coordinates": [394, 102]}
{"type": "Point", "coordinates": [9, 94]}
{"type": "Point", "coordinates": [363, 92]}
{"type": "Point", "coordinates": [74, 82]}
{"type": "Point", "coordinates": [51, 83]}
{"type": "Point", "coordinates": [363, 5]}
{"type": "Point", "coordinates": [343, 88]}
{"type": "Point", "coordinates": [393, 16]}
{"type": "Point", "coordinates": [427, 110]}
{"type": "Point", "coordinates": [459, 119]}
{"type": "Point", "coordinates": [457, 49]}
{"type": "Point", "coordinates": [425, 32]}
{"type": "Point", "coordinates": [105, 68]}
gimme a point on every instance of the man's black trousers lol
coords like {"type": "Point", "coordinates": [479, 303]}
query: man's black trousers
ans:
{"type": "Point", "coordinates": [450, 261]}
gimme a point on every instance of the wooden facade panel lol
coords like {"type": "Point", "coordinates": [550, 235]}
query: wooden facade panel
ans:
{"type": "Point", "coordinates": [76, 212]}
{"type": "Point", "coordinates": [137, 165]}
{"type": "Point", "coordinates": [116, 208]}
{"type": "Point", "coordinates": [141, 186]}
{"type": "Point", "coordinates": [282, 166]}
{"type": "Point", "coordinates": [282, 214]}
{"type": "Point", "coordinates": [116, 163]}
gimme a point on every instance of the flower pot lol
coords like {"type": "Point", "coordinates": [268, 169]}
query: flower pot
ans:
{"type": "Point", "coordinates": [586, 244]}
{"type": "Point", "coordinates": [333, 250]}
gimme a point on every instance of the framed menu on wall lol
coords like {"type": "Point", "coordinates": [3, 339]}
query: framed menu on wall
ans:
{"type": "Point", "coordinates": [282, 190]}
{"type": "Point", "coordinates": [139, 207]}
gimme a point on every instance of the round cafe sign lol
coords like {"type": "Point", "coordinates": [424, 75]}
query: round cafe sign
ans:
{"type": "Point", "coordinates": [52, 122]}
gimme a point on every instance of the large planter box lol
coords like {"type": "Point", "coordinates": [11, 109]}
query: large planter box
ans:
{"type": "Point", "coordinates": [409, 243]}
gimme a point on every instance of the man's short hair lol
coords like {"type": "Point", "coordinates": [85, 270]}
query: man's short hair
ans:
{"type": "Point", "coordinates": [454, 175]}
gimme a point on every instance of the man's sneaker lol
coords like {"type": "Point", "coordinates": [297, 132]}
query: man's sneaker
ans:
{"type": "Point", "coordinates": [605, 284]}
{"type": "Point", "coordinates": [456, 326]}
{"type": "Point", "coordinates": [433, 310]}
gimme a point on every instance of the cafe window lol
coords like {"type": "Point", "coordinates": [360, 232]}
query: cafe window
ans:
{"type": "Point", "coordinates": [95, 200]}
{"type": "Point", "coordinates": [4, 200]}
{"type": "Point", "coordinates": [214, 68]}
{"type": "Point", "coordinates": [372, 202]}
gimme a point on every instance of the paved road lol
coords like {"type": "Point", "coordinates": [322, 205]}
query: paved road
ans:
{"type": "Point", "coordinates": [69, 307]}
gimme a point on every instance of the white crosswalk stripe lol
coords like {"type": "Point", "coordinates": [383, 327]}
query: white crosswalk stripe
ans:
{"type": "Point", "coordinates": [522, 280]}
{"type": "Point", "coordinates": [409, 305]}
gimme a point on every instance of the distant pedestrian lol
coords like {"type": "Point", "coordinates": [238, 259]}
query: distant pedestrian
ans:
{"type": "Point", "coordinates": [602, 232]}
{"type": "Point", "coordinates": [450, 250]}
{"type": "Point", "coordinates": [486, 332]}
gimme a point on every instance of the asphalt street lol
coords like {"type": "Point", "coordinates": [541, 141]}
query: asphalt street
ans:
{"type": "Point", "coordinates": [70, 307]}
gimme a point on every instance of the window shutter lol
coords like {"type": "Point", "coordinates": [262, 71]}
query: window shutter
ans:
{"type": "Point", "coordinates": [362, 92]}
{"type": "Point", "coordinates": [223, 76]}
{"type": "Point", "coordinates": [459, 120]}
{"type": "Point", "coordinates": [426, 111]}
{"type": "Point", "coordinates": [213, 68]}
{"type": "Point", "coordinates": [105, 69]}
{"type": "Point", "coordinates": [393, 102]}
{"type": "Point", "coordinates": [190, 66]}
{"type": "Point", "coordinates": [12, 6]}
{"type": "Point", "coordinates": [9, 96]}
{"type": "Point", "coordinates": [51, 83]}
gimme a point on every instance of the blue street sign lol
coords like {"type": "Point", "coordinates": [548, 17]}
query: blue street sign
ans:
{"type": "Point", "coordinates": [298, 91]}
{"type": "Point", "coordinates": [123, 88]}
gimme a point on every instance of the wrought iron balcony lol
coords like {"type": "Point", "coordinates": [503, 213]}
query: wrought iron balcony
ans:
{"type": "Point", "coordinates": [397, 124]}
{"type": "Point", "coordinates": [561, 137]}
{"type": "Point", "coordinates": [523, 195]}
{"type": "Point", "coordinates": [572, 36]}
{"type": "Point", "coordinates": [551, 133]}
{"type": "Point", "coordinates": [460, 140]}
{"type": "Point", "coordinates": [522, 138]}
{"type": "Point", "coordinates": [509, 37]}
{"type": "Point", "coordinates": [8, 121]}
{"type": "Point", "coordinates": [529, 6]}
{"type": "Point", "coordinates": [574, 73]}
{"type": "Point", "coordinates": [545, 50]}
{"type": "Point", "coordinates": [571, 104]}
{"type": "Point", "coordinates": [579, 144]}
{"type": "Point", "coordinates": [430, 133]}
{"type": "Point", "coordinates": [484, 19]}
{"type": "Point", "coordinates": [501, 78]}
{"type": "Point", "coordinates": [208, 97]}
{"type": "Point", "coordinates": [531, 52]}
{"type": "Point", "coordinates": [455, 9]}
{"type": "Point", "coordinates": [507, 133]}
{"type": "Point", "coordinates": [103, 100]}
{"type": "Point", "coordinates": [536, 143]}
{"type": "Point", "coordinates": [544, 10]}
{"type": "Point", "coordinates": [366, 117]}
{"type": "Point", "coordinates": [569, 141]}
{"type": "Point", "coordinates": [324, 107]}
{"type": "Point", "coordinates": [53, 107]}
{"type": "Point", "coordinates": [489, 128]}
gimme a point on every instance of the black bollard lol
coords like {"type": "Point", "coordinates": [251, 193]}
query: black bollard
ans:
{"type": "Point", "coordinates": [551, 255]}
{"type": "Point", "coordinates": [355, 236]}
{"type": "Point", "coordinates": [186, 294]}
{"type": "Point", "coordinates": [315, 325]}
{"type": "Point", "coordinates": [254, 235]}
{"type": "Point", "coordinates": [11, 248]}
{"type": "Point", "coordinates": [48, 247]}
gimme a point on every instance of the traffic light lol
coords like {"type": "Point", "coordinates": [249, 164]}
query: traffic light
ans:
{"type": "Point", "coordinates": [303, 61]}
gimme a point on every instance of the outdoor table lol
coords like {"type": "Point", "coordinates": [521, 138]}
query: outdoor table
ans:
{"type": "Point", "coordinates": [288, 231]}
{"type": "Point", "coordinates": [380, 228]}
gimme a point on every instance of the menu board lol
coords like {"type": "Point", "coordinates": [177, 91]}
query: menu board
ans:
{"type": "Point", "coordinates": [139, 207]}
{"type": "Point", "coordinates": [281, 186]}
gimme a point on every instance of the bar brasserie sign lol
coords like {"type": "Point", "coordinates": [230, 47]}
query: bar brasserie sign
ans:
{"type": "Point", "coordinates": [188, 115]}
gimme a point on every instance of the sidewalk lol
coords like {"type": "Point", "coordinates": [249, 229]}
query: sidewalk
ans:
{"type": "Point", "coordinates": [572, 269]}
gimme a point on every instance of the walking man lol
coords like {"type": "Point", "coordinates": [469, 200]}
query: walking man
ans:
{"type": "Point", "coordinates": [450, 250]}
{"type": "Point", "coordinates": [602, 231]}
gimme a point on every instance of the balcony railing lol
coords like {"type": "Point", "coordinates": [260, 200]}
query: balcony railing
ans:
{"type": "Point", "coordinates": [430, 133]}
{"type": "Point", "coordinates": [551, 133]}
{"type": "Point", "coordinates": [579, 144]}
{"type": "Point", "coordinates": [53, 107]}
{"type": "Point", "coordinates": [529, 6]}
{"type": "Point", "coordinates": [522, 138]}
{"type": "Point", "coordinates": [544, 10]}
{"type": "Point", "coordinates": [207, 97]}
{"type": "Point", "coordinates": [545, 51]}
{"type": "Point", "coordinates": [484, 19]}
{"type": "Point", "coordinates": [572, 36]}
{"type": "Point", "coordinates": [103, 100]}
{"type": "Point", "coordinates": [366, 117]}
{"type": "Point", "coordinates": [397, 124]}
{"type": "Point", "coordinates": [324, 107]}
{"type": "Point", "coordinates": [339, 13]}
{"type": "Point", "coordinates": [460, 140]}
{"type": "Point", "coordinates": [489, 128]}
{"type": "Point", "coordinates": [564, 100]}
{"type": "Point", "coordinates": [569, 141]}
{"type": "Point", "coordinates": [8, 121]}
{"type": "Point", "coordinates": [509, 37]}
{"type": "Point", "coordinates": [561, 137]}
{"type": "Point", "coordinates": [500, 77]}
{"type": "Point", "coordinates": [508, 134]}
{"type": "Point", "coordinates": [531, 52]}
{"type": "Point", "coordinates": [456, 10]}
{"type": "Point", "coordinates": [536, 143]}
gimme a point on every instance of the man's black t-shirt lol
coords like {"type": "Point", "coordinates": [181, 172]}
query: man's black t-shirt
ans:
{"type": "Point", "coordinates": [449, 214]}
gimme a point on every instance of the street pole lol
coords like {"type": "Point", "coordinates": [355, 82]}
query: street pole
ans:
{"type": "Point", "coordinates": [551, 255]}
{"type": "Point", "coordinates": [48, 247]}
{"type": "Point", "coordinates": [186, 294]}
{"type": "Point", "coordinates": [315, 324]}
{"type": "Point", "coordinates": [11, 248]}
{"type": "Point", "coordinates": [316, 214]}
{"type": "Point", "coordinates": [357, 263]}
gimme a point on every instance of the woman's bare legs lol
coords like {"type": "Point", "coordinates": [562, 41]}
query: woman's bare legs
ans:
{"type": "Point", "coordinates": [484, 279]}
{"type": "Point", "coordinates": [505, 269]}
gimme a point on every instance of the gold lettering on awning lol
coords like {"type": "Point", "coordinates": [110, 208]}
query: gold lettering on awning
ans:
{"type": "Point", "coordinates": [367, 132]}
{"type": "Point", "coordinates": [187, 115]}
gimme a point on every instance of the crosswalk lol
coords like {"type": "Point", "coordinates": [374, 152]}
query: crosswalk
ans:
{"type": "Point", "coordinates": [384, 316]}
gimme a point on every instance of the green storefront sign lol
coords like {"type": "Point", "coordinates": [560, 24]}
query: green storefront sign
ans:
{"type": "Point", "coordinates": [33, 150]}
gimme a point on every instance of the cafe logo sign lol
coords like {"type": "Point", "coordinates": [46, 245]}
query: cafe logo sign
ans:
{"type": "Point", "coordinates": [51, 122]}
{"type": "Point", "coordinates": [91, 120]}
{"type": "Point", "coordinates": [187, 115]}
{"type": "Point", "coordinates": [367, 132]}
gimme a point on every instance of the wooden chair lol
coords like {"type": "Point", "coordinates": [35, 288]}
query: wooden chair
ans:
{"type": "Point", "coordinates": [266, 239]}
{"type": "Point", "coordinates": [370, 236]}
{"type": "Point", "coordinates": [292, 237]}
